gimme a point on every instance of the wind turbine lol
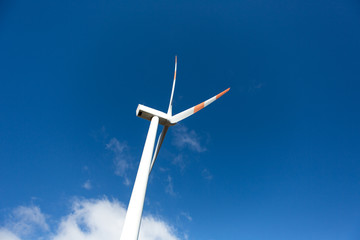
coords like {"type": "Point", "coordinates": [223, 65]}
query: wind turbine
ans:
{"type": "Point", "coordinates": [133, 216]}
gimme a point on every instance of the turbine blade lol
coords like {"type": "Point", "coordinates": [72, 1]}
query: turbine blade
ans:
{"type": "Point", "coordinates": [180, 116]}
{"type": "Point", "coordinates": [158, 146]}
{"type": "Point", "coordinates": [173, 88]}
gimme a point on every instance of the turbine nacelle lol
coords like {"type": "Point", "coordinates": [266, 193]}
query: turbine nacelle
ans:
{"type": "Point", "coordinates": [148, 113]}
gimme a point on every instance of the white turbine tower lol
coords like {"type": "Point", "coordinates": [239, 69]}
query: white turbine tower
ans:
{"type": "Point", "coordinates": [133, 216]}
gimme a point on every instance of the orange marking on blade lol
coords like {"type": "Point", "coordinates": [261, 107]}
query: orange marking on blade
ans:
{"type": "Point", "coordinates": [199, 107]}
{"type": "Point", "coordinates": [222, 93]}
{"type": "Point", "coordinates": [175, 67]}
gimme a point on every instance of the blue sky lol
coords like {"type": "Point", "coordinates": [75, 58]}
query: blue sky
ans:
{"type": "Point", "coordinates": [278, 157]}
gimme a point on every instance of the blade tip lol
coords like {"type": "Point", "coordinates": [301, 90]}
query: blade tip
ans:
{"type": "Point", "coordinates": [222, 93]}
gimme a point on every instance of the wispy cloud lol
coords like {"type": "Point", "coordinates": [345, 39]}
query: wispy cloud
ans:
{"type": "Point", "coordinates": [206, 174]}
{"type": "Point", "coordinates": [179, 161]}
{"type": "Point", "coordinates": [93, 219]}
{"type": "Point", "coordinates": [186, 215]}
{"type": "Point", "coordinates": [183, 137]}
{"type": "Point", "coordinates": [170, 186]}
{"type": "Point", "coordinates": [86, 168]}
{"type": "Point", "coordinates": [100, 134]}
{"type": "Point", "coordinates": [121, 159]}
{"type": "Point", "coordinates": [254, 86]}
{"type": "Point", "coordinates": [87, 185]}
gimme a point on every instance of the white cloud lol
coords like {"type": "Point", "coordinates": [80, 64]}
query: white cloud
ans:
{"type": "Point", "coordinates": [182, 137]}
{"type": "Point", "coordinates": [96, 219]}
{"type": "Point", "coordinates": [87, 185]}
{"type": "Point", "coordinates": [121, 160]}
{"type": "Point", "coordinates": [27, 220]}
{"type": "Point", "coordinates": [92, 219]}
{"type": "Point", "coordinates": [7, 235]}
{"type": "Point", "coordinates": [155, 229]}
